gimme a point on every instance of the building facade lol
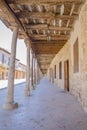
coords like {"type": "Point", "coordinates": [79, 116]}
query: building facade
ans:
{"type": "Point", "coordinates": [20, 69]}
{"type": "Point", "coordinates": [70, 72]}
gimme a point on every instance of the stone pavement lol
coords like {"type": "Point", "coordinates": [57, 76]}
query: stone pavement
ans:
{"type": "Point", "coordinates": [48, 108]}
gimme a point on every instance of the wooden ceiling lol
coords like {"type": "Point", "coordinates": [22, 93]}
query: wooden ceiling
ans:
{"type": "Point", "coordinates": [47, 24]}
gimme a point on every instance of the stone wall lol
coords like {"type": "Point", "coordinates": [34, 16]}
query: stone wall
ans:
{"type": "Point", "coordinates": [77, 81]}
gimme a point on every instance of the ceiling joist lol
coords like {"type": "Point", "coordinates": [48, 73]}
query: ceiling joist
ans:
{"type": "Point", "coordinates": [44, 15]}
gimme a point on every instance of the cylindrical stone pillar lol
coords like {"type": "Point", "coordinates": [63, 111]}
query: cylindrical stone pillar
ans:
{"type": "Point", "coordinates": [9, 104]}
{"type": "Point", "coordinates": [34, 73]}
{"type": "Point", "coordinates": [32, 85]}
{"type": "Point", "coordinates": [27, 89]}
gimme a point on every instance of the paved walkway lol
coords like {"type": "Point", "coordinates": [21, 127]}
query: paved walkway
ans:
{"type": "Point", "coordinates": [48, 108]}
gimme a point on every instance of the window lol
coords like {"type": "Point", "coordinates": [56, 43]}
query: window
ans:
{"type": "Point", "coordinates": [60, 70]}
{"type": "Point", "coordinates": [55, 71]}
{"type": "Point", "coordinates": [76, 57]}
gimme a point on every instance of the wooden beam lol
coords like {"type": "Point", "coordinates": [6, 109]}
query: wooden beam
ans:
{"type": "Point", "coordinates": [12, 16]}
{"type": "Point", "coordinates": [47, 52]}
{"type": "Point", "coordinates": [43, 69]}
{"type": "Point", "coordinates": [45, 27]}
{"type": "Point", "coordinates": [48, 58]}
{"type": "Point", "coordinates": [60, 28]}
{"type": "Point", "coordinates": [53, 37]}
{"type": "Point", "coordinates": [48, 45]}
{"type": "Point", "coordinates": [45, 42]}
{"type": "Point", "coordinates": [37, 26]}
{"type": "Point", "coordinates": [48, 48]}
{"type": "Point", "coordinates": [29, 2]}
{"type": "Point", "coordinates": [44, 15]}
{"type": "Point", "coordinates": [44, 49]}
{"type": "Point", "coordinates": [42, 62]}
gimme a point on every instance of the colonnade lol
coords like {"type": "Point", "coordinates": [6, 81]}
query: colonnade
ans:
{"type": "Point", "coordinates": [32, 79]}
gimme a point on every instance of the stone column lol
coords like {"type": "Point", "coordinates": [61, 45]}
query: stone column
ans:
{"type": "Point", "coordinates": [9, 104]}
{"type": "Point", "coordinates": [32, 85]}
{"type": "Point", "coordinates": [37, 72]}
{"type": "Point", "coordinates": [27, 89]}
{"type": "Point", "coordinates": [34, 73]}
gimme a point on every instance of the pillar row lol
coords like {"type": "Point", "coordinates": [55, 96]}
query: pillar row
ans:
{"type": "Point", "coordinates": [10, 104]}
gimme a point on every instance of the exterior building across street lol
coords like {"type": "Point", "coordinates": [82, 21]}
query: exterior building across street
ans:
{"type": "Point", "coordinates": [20, 69]}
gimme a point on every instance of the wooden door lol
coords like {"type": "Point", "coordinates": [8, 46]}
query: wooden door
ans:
{"type": "Point", "coordinates": [66, 75]}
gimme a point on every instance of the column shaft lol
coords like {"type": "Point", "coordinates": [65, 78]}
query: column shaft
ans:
{"type": "Point", "coordinates": [34, 75]}
{"type": "Point", "coordinates": [27, 89]}
{"type": "Point", "coordinates": [32, 85]}
{"type": "Point", "coordinates": [10, 90]}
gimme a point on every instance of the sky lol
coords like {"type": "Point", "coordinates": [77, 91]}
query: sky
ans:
{"type": "Point", "coordinates": [5, 42]}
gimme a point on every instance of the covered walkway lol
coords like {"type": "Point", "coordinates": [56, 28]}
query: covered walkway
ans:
{"type": "Point", "coordinates": [48, 108]}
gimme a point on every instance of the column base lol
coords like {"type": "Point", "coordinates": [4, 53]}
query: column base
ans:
{"type": "Point", "coordinates": [10, 106]}
{"type": "Point", "coordinates": [32, 87]}
{"type": "Point", "coordinates": [27, 93]}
